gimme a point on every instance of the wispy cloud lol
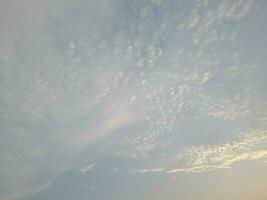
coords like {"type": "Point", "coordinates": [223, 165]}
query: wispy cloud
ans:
{"type": "Point", "coordinates": [207, 158]}
{"type": "Point", "coordinates": [87, 168]}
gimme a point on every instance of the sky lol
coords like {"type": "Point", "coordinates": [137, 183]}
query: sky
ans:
{"type": "Point", "coordinates": [133, 99]}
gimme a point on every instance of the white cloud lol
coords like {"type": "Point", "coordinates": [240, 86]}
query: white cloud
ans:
{"type": "Point", "coordinates": [87, 168]}
{"type": "Point", "coordinates": [207, 158]}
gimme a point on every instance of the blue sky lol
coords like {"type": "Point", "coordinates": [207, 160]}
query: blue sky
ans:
{"type": "Point", "coordinates": [131, 99]}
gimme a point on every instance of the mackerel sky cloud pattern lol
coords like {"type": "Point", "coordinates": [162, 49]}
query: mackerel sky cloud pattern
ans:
{"type": "Point", "coordinates": [131, 99]}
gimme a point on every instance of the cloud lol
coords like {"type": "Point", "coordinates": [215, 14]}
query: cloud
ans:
{"type": "Point", "coordinates": [205, 23]}
{"type": "Point", "coordinates": [70, 84]}
{"type": "Point", "coordinates": [150, 170]}
{"type": "Point", "coordinates": [87, 168]}
{"type": "Point", "coordinates": [196, 169]}
{"type": "Point", "coordinates": [234, 11]}
{"type": "Point", "coordinates": [207, 158]}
